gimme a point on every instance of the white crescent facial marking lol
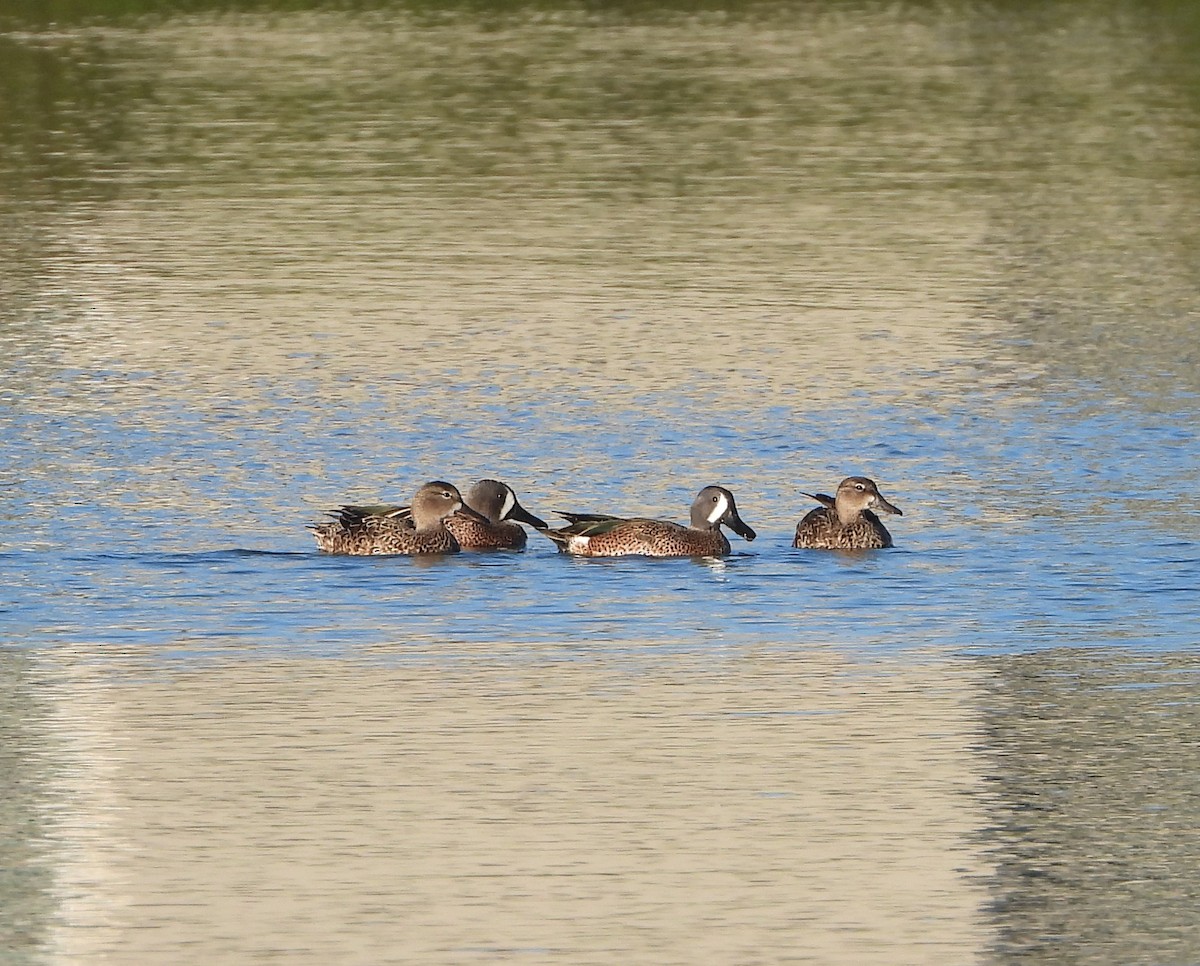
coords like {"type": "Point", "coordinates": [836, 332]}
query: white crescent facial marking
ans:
{"type": "Point", "coordinates": [510, 501]}
{"type": "Point", "coordinates": [719, 509]}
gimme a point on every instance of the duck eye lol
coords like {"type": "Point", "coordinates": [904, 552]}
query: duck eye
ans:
{"type": "Point", "coordinates": [859, 487]}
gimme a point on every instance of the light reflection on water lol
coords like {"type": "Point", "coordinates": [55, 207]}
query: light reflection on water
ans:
{"type": "Point", "coordinates": [273, 265]}
{"type": "Point", "coordinates": [615, 805]}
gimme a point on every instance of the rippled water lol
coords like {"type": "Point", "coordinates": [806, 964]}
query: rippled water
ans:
{"type": "Point", "coordinates": [255, 265]}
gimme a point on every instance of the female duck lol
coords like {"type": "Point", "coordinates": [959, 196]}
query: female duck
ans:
{"type": "Point", "coordinates": [846, 521]}
{"type": "Point", "coordinates": [363, 530]}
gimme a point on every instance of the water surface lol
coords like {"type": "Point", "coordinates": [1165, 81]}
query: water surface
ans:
{"type": "Point", "coordinates": [257, 264]}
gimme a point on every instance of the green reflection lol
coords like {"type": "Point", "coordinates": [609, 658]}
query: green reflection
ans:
{"type": "Point", "coordinates": [1036, 159]}
{"type": "Point", "coordinates": [63, 111]}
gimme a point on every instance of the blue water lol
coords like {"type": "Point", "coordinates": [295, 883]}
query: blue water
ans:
{"type": "Point", "coordinates": [1053, 526]}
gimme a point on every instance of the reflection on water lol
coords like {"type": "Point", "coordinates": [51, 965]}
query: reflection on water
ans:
{"type": "Point", "coordinates": [581, 808]}
{"type": "Point", "coordinates": [29, 762]}
{"type": "Point", "coordinates": [1095, 803]}
{"type": "Point", "coordinates": [253, 265]}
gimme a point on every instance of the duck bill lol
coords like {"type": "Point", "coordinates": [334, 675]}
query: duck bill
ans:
{"type": "Point", "coordinates": [882, 504]}
{"type": "Point", "coordinates": [739, 526]}
{"type": "Point", "coordinates": [475, 515]}
{"type": "Point", "coordinates": [521, 515]}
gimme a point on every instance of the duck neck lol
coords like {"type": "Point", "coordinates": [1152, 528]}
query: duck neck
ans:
{"type": "Point", "coordinates": [847, 514]}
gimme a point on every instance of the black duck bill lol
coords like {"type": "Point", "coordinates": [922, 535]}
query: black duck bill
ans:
{"type": "Point", "coordinates": [882, 504]}
{"type": "Point", "coordinates": [738, 525]}
{"type": "Point", "coordinates": [475, 515]}
{"type": "Point", "coordinates": [521, 515]}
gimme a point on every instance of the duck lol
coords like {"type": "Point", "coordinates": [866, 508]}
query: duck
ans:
{"type": "Point", "coordinates": [603, 535]}
{"type": "Point", "coordinates": [498, 506]}
{"type": "Point", "coordinates": [846, 521]}
{"type": "Point", "coordinates": [414, 530]}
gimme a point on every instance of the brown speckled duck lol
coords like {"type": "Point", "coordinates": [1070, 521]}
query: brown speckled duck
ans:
{"type": "Point", "coordinates": [420, 529]}
{"type": "Point", "coordinates": [499, 507]}
{"type": "Point", "coordinates": [846, 521]}
{"type": "Point", "coordinates": [601, 535]}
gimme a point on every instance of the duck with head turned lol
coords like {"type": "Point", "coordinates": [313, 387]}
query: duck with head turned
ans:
{"type": "Point", "coordinates": [491, 527]}
{"type": "Point", "coordinates": [846, 521]}
{"type": "Point", "coordinates": [381, 529]}
{"type": "Point", "coordinates": [498, 505]}
{"type": "Point", "coordinates": [602, 535]}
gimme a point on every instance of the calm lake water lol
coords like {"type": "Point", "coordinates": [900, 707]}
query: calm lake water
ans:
{"type": "Point", "coordinates": [257, 264]}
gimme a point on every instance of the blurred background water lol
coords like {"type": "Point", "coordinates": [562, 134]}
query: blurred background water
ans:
{"type": "Point", "coordinates": [260, 259]}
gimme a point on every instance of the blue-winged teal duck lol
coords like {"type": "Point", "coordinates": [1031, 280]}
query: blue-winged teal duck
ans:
{"type": "Point", "coordinates": [845, 521]}
{"type": "Point", "coordinates": [497, 504]}
{"type": "Point", "coordinates": [419, 529]}
{"type": "Point", "coordinates": [600, 535]}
